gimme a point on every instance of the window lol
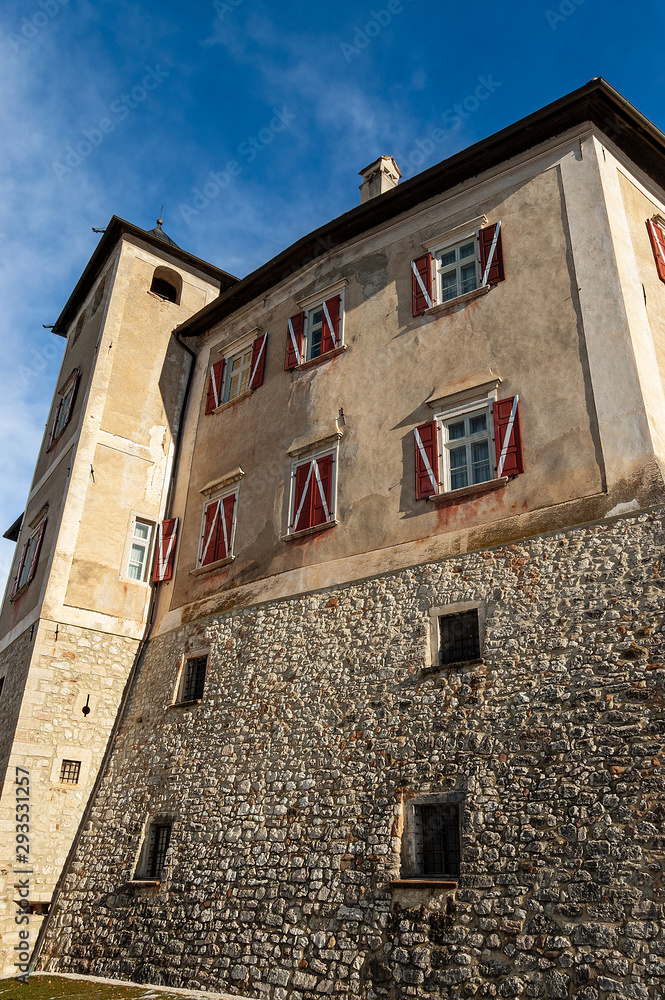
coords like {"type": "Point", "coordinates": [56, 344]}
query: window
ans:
{"type": "Point", "coordinates": [313, 489]}
{"type": "Point", "coordinates": [193, 679]}
{"type": "Point", "coordinates": [459, 637]}
{"type": "Point", "coordinates": [64, 406]}
{"type": "Point", "coordinates": [314, 332]}
{"type": "Point", "coordinates": [437, 839]}
{"type": "Point", "coordinates": [464, 263]}
{"type": "Point", "coordinates": [99, 295]}
{"type": "Point", "coordinates": [70, 771]}
{"type": "Point", "coordinates": [29, 558]}
{"type": "Point", "coordinates": [167, 284]}
{"type": "Point", "coordinates": [2, 684]}
{"type": "Point", "coordinates": [656, 228]}
{"type": "Point", "coordinates": [218, 530]}
{"type": "Point", "coordinates": [235, 374]}
{"type": "Point", "coordinates": [154, 851]}
{"type": "Point", "coordinates": [139, 549]}
{"type": "Point", "coordinates": [468, 443]}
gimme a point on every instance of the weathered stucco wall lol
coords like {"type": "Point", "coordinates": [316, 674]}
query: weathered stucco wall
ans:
{"type": "Point", "coordinates": [318, 719]}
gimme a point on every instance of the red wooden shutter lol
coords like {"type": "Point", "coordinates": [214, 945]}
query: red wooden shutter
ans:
{"type": "Point", "coordinates": [421, 277]}
{"type": "Point", "coordinates": [322, 490]}
{"type": "Point", "coordinates": [167, 533]}
{"type": "Point", "coordinates": [54, 424]}
{"type": "Point", "coordinates": [20, 567]}
{"type": "Point", "coordinates": [302, 505]}
{"type": "Point", "coordinates": [491, 252]}
{"type": "Point", "coordinates": [330, 331]}
{"type": "Point", "coordinates": [657, 237]}
{"type": "Point", "coordinates": [508, 437]}
{"type": "Point", "coordinates": [427, 460]}
{"type": "Point", "coordinates": [214, 397]}
{"type": "Point", "coordinates": [294, 338]}
{"type": "Point", "coordinates": [259, 348]}
{"type": "Point", "coordinates": [211, 528]}
{"type": "Point", "coordinates": [72, 397]}
{"type": "Point", "coordinates": [39, 538]}
{"type": "Point", "coordinates": [226, 537]}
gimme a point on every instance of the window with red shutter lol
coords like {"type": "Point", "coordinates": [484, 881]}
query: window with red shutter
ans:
{"type": "Point", "coordinates": [315, 332]}
{"type": "Point", "coordinates": [313, 493]}
{"type": "Point", "coordinates": [167, 533]}
{"type": "Point", "coordinates": [218, 530]}
{"type": "Point", "coordinates": [64, 407]}
{"type": "Point", "coordinates": [657, 237]}
{"type": "Point", "coordinates": [30, 552]}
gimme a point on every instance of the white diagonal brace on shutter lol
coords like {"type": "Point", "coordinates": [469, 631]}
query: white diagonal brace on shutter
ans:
{"type": "Point", "coordinates": [329, 322]}
{"type": "Point", "coordinates": [423, 455]}
{"type": "Point", "coordinates": [210, 533]}
{"type": "Point", "coordinates": [508, 434]}
{"type": "Point", "coordinates": [163, 558]}
{"type": "Point", "coordinates": [258, 360]}
{"type": "Point", "coordinates": [294, 342]}
{"type": "Point", "coordinates": [657, 241]}
{"type": "Point", "coordinates": [490, 258]}
{"type": "Point", "coordinates": [226, 534]}
{"type": "Point", "coordinates": [215, 390]}
{"type": "Point", "coordinates": [321, 491]}
{"type": "Point", "coordinates": [428, 298]}
{"type": "Point", "coordinates": [302, 499]}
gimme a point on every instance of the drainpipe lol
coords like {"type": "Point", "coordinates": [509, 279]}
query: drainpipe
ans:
{"type": "Point", "coordinates": [124, 701]}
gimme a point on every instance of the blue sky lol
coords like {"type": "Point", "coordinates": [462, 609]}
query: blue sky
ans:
{"type": "Point", "coordinates": [298, 96]}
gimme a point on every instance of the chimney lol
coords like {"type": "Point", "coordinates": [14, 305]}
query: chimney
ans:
{"type": "Point", "coordinates": [379, 177]}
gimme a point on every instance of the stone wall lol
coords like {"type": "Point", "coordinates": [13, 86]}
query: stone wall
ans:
{"type": "Point", "coordinates": [320, 719]}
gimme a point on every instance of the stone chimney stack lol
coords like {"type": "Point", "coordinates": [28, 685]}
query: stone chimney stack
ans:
{"type": "Point", "coordinates": [379, 177]}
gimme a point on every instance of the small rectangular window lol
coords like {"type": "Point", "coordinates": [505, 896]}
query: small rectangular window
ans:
{"type": "Point", "coordinates": [458, 270]}
{"type": "Point", "coordinates": [139, 551]}
{"type": "Point", "coordinates": [194, 677]}
{"type": "Point", "coordinates": [159, 835]}
{"type": "Point", "coordinates": [459, 637]}
{"type": "Point", "coordinates": [2, 684]}
{"type": "Point", "coordinates": [70, 771]}
{"type": "Point", "coordinates": [237, 371]}
{"type": "Point", "coordinates": [437, 839]}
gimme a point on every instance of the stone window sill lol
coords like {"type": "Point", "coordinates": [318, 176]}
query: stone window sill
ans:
{"type": "Point", "coordinates": [20, 593]}
{"type": "Point", "coordinates": [310, 531]}
{"type": "Point", "coordinates": [436, 668]}
{"type": "Point", "coordinates": [143, 883]}
{"type": "Point", "coordinates": [322, 357]}
{"type": "Point", "coordinates": [211, 566]}
{"type": "Point", "coordinates": [468, 491]}
{"type": "Point", "coordinates": [443, 307]}
{"type": "Point", "coordinates": [232, 402]}
{"type": "Point", "coordinates": [424, 883]}
{"type": "Point", "coordinates": [185, 704]}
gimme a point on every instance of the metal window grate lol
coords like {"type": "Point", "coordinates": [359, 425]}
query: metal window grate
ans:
{"type": "Point", "coordinates": [158, 842]}
{"type": "Point", "coordinates": [195, 676]}
{"type": "Point", "coordinates": [437, 838]}
{"type": "Point", "coordinates": [70, 771]}
{"type": "Point", "coordinates": [459, 637]}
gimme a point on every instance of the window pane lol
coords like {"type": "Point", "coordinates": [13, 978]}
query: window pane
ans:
{"type": "Point", "coordinates": [468, 273]}
{"type": "Point", "coordinates": [468, 250]}
{"type": "Point", "coordinates": [437, 834]}
{"type": "Point", "coordinates": [457, 430]}
{"type": "Point", "coordinates": [237, 375]}
{"type": "Point", "coordinates": [478, 423]}
{"type": "Point", "coordinates": [459, 637]}
{"type": "Point", "coordinates": [25, 572]}
{"type": "Point", "coordinates": [449, 285]}
{"type": "Point", "coordinates": [315, 331]}
{"type": "Point", "coordinates": [141, 530]}
{"type": "Point", "coordinates": [448, 258]}
{"type": "Point", "coordinates": [458, 471]}
{"type": "Point", "coordinates": [480, 460]}
{"type": "Point", "coordinates": [136, 560]}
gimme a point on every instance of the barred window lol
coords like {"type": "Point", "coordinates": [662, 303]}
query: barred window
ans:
{"type": "Point", "coordinates": [70, 771]}
{"type": "Point", "coordinates": [194, 678]}
{"type": "Point", "coordinates": [459, 637]}
{"type": "Point", "coordinates": [437, 839]}
{"type": "Point", "coordinates": [159, 836]}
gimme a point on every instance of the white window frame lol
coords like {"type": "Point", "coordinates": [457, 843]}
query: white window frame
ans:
{"type": "Point", "coordinates": [219, 496]}
{"type": "Point", "coordinates": [460, 239]}
{"type": "Point", "coordinates": [315, 302]}
{"type": "Point", "coordinates": [226, 380]}
{"type": "Point", "coordinates": [446, 413]}
{"type": "Point", "coordinates": [332, 448]}
{"type": "Point", "coordinates": [145, 578]}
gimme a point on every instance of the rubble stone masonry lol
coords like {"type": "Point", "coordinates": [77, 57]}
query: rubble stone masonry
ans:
{"type": "Point", "coordinates": [322, 716]}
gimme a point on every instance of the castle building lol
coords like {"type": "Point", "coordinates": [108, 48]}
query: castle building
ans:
{"type": "Point", "coordinates": [395, 726]}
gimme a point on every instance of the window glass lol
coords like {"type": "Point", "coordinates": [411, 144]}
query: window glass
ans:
{"type": "Point", "coordinates": [194, 679]}
{"type": "Point", "coordinates": [314, 333]}
{"type": "Point", "coordinates": [458, 270]}
{"type": "Point", "coordinates": [459, 637]}
{"type": "Point", "coordinates": [27, 562]}
{"type": "Point", "coordinates": [139, 550]}
{"type": "Point", "coordinates": [437, 839]}
{"type": "Point", "coordinates": [467, 443]}
{"type": "Point", "coordinates": [158, 841]}
{"type": "Point", "coordinates": [236, 375]}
